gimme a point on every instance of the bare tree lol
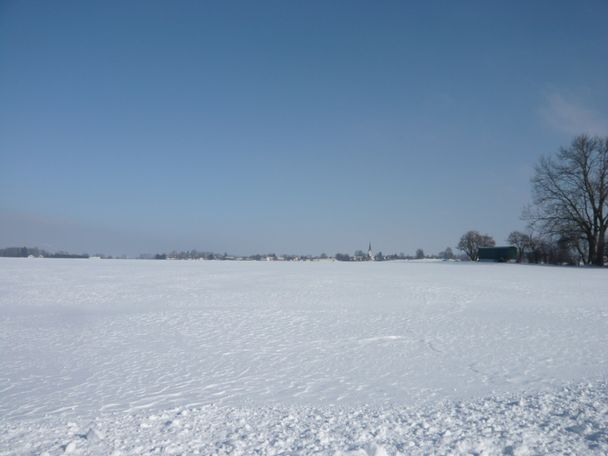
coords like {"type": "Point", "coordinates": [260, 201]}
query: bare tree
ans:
{"type": "Point", "coordinates": [522, 241]}
{"type": "Point", "coordinates": [472, 240]}
{"type": "Point", "coordinates": [447, 254]}
{"type": "Point", "coordinates": [570, 196]}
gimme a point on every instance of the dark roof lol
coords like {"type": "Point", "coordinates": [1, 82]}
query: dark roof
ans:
{"type": "Point", "coordinates": [497, 253]}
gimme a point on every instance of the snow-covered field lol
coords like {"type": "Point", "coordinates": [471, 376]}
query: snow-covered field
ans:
{"type": "Point", "coordinates": [178, 357]}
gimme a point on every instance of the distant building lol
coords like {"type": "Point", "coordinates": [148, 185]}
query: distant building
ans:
{"type": "Point", "coordinates": [497, 254]}
{"type": "Point", "coordinates": [370, 254]}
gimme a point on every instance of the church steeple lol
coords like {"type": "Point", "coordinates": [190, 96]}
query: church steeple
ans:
{"type": "Point", "coordinates": [370, 254]}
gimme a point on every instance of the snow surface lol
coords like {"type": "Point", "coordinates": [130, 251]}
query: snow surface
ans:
{"type": "Point", "coordinates": [175, 357]}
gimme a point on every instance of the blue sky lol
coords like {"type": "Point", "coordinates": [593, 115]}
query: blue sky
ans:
{"type": "Point", "coordinates": [300, 127]}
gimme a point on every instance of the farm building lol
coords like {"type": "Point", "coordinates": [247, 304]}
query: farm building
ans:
{"type": "Point", "coordinates": [498, 254]}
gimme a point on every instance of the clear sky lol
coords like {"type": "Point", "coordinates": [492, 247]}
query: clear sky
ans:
{"type": "Point", "coordinates": [283, 126]}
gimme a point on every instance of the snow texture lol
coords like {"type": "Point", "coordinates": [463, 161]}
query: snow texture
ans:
{"type": "Point", "coordinates": [140, 357]}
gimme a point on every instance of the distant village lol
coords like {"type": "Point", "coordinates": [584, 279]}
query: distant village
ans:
{"type": "Point", "coordinates": [358, 255]}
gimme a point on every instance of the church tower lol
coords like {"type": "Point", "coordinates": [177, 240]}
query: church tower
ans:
{"type": "Point", "coordinates": [370, 254]}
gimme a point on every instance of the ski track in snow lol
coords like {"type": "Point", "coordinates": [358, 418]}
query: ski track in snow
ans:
{"type": "Point", "coordinates": [357, 354]}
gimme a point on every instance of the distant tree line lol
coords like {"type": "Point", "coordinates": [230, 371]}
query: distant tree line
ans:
{"type": "Point", "coordinates": [204, 255]}
{"type": "Point", "coordinates": [24, 252]}
{"type": "Point", "coordinates": [190, 255]}
{"type": "Point", "coordinates": [446, 254]}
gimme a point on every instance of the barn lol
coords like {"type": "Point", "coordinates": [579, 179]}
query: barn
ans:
{"type": "Point", "coordinates": [497, 254]}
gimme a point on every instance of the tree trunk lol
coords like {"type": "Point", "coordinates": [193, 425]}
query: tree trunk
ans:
{"type": "Point", "coordinates": [600, 248]}
{"type": "Point", "coordinates": [592, 249]}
